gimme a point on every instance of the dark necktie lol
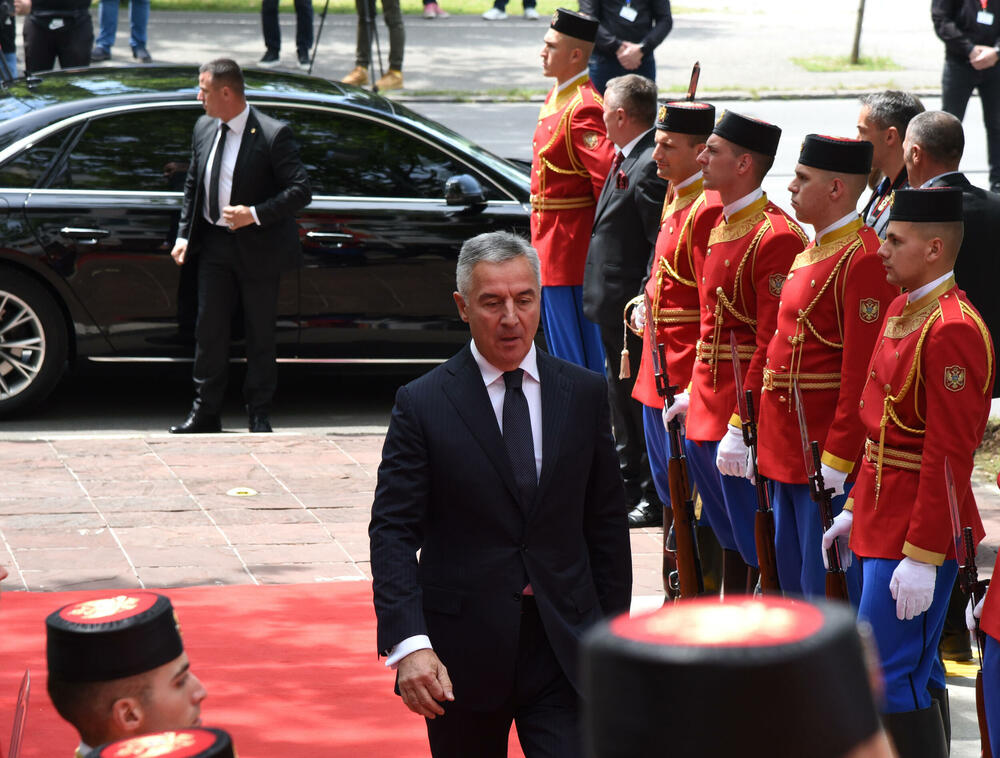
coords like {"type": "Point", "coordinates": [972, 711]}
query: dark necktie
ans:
{"type": "Point", "coordinates": [517, 435]}
{"type": "Point", "coordinates": [213, 182]}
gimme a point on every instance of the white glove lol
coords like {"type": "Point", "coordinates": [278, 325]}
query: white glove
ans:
{"type": "Point", "coordinates": [972, 614]}
{"type": "Point", "coordinates": [679, 408]}
{"type": "Point", "coordinates": [733, 457]}
{"type": "Point", "coordinates": [839, 530]}
{"type": "Point", "coordinates": [639, 317]}
{"type": "Point", "coordinates": [833, 479]}
{"type": "Point", "coordinates": [912, 587]}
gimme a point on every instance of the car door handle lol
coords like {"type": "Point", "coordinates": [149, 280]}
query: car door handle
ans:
{"type": "Point", "coordinates": [329, 236]}
{"type": "Point", "coordinates": [84, 236]}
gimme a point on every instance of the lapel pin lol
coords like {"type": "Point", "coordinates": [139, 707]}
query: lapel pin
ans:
{"type": "Point", "coordinates": [253, 130]}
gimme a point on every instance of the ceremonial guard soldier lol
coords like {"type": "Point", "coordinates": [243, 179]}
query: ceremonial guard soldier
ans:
{"type": "Point", "coordinates": [571, 157]}
{"type": "Point", "coordinates": [926, 400]}
{"type": "Point", "coordinates": [747, 255]}
{"type": "Point", "coordinates": [829, 317]}
{"type": "Point", "coordinates": [117, 668]}
{"type": "Point", "coordinates": [667, 313]}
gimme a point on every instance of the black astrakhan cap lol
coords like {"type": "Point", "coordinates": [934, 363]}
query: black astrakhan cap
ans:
{"type": "Point", "coordinates": [196, 742]}
{"type": "Point", "coordinates": [838, 154]}
{"type": "Point", "coordinates": [573, 24]}
{"type": "Point", "coordinates": [111, 638]}
{"type": "Point", "coordinates": [932, 204]}
{"type": "Point", "coordinates": [751, 659]}
{"type": "Point", "coordinates": [686, 117]}
{"type": "Point", "coordinates": [750, 133]}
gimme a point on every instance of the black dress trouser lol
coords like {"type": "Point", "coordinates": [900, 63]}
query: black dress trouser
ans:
{"type": "Point", "coordinates": [223, 282]}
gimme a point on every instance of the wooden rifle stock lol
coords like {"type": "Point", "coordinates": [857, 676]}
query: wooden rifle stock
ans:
{"type": "Point", "coordinates": [690, 581]}
{"type": "Point", "coordinates": [836, 578]}
{"type": "Point", "coordinates": [763, 525]}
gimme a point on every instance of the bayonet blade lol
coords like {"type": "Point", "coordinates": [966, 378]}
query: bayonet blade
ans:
{"type": "Point", "coordinates": [693, 85]}
{"type": "Point", "coordinates": [20, 715]}
{"type": "Point", "coordinates": [803, 429]}
{"type": "Point", "coordinates": [738, 374]}
{"type": "Point", "coordinates": [956, 521]}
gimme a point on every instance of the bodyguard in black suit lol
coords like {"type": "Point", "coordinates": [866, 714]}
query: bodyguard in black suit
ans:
{"type": "Point", "coordinates": [626, 222]}
{"type": "Point", "coordinates": [933, 149]}
{"type": "Point", "coordinates": [499, 468]}
{"type": "Point", "coordinates": [243, 188]}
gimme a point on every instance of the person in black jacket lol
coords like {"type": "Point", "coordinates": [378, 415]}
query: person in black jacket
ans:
{"type": "Point", "coordinates": [630, 31]}
{"type": "Point", "coordinates": [55, 29]}
{"type": "Point", "coordinates": [970, 30]}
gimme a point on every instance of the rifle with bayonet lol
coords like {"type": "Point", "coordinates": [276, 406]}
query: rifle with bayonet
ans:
{"type": "Point", "coordinates": [763, 525]}
{"type": "Point", "coordinates": [968, 580]}
{"type": "Point", "coordinates": [688, 579]}
{"type": "Point", "coordinates": [836, 578]}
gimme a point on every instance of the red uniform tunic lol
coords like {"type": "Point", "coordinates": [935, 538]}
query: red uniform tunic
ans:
{"type": "Point", "coordinates": [746, 261]}
{"type": "Point", "coordinates": [571, 157]}
{"type": "Point", "coordinates": [671, 292]}
{"type": "Point", "coordinates": [829, 318]}
{"type": "Point", "coordinates": [990, 621]}
{"type": "Point", "coordinates": [929, 381]}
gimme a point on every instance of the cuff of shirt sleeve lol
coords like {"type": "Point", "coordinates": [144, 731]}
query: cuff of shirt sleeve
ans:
{"type": "Point", "coordinates": [840, 464]}
{"type": "Point", "coordinates": [180, 240]}
{"type": "Point", "coordinates": [407, 646]}
{"type": "Point", "coordinates": [924, 556]}
{"type": "Point", "coordinates": [253, 212]}
{"type": "Point", "coordinates": [736, 421]}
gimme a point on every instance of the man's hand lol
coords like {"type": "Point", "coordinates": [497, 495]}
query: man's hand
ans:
{"type": "Point", "coordinates": [839, 530]}
{"type": "Point", "coordinates": [983, 57]}
{"type": "Point", "coordinates": [179, 253]}
{"type": "Point", "coordinates": [424, 683]}
{"type": "Point", "coordinates": [237, 216]}
{"type": "Point", "coordinates": [972, 615]}
{"type": "Point", "coordinates": [912, 587]}
{"type": "Point", "coordinates": [22, 7]}
{"type": "Point", "coordinates": [639, 317]}
{"type": "Point", "coordinates": [733, 456]}
{"type": "Point", "coordinates": [629, 55]}
{"type": "Point", "coordinates": [833, 479]}
{"type": "Point", "coordinates": [679, 408]}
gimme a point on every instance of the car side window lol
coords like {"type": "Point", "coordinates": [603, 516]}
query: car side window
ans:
{"type": "Point", "coordinates": [138, 151]}
{"type": "Point", "coordinates": [28, 169]}
{"type": "Point", "coordinates": [357, 157]}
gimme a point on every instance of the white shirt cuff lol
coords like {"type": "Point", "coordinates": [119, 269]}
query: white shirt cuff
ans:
{"type": "Point", "coordinates": [407, 646]}
{"type": "Point", "coordinates": [253, 212]}
{"type": "Point", "coordinates": [179, 240]}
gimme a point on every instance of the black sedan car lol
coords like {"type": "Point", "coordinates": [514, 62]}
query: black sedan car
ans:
{"type": "Point", "coordinates": [92, 165]}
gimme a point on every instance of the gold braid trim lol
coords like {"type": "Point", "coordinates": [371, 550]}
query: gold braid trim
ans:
{"type": "Point", "coordinates": [723, 302]}
{"type": "Point", "coordinates": [628, 306]}
{"type": "Point", "coordinates": [967, 310]}
{"type": "Point", "coordinates": [684, 236]}
{"type": "Point", "coordinates": [562, 129]}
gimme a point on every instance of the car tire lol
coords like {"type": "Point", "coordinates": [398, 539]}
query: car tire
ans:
{"type": "Point", "coordinates": [33, 342]}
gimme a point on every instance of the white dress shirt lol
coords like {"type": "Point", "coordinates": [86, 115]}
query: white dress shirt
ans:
{"type": "Point", "coordinates": [736, 206]}
{"type": "Point", "coordinates": [495, 387]}
{"type": "Point", "coordinates": [919, 292]}
{"type": "Point", "coordinates": [821, 233]}
{"type": "Point", "coordinates": [237, 125]}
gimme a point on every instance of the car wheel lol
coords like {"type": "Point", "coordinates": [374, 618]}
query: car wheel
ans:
{"type": "Point", "coordinates": [32, 342]}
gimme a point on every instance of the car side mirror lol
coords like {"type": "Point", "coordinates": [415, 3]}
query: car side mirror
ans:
{"type": "Point", "coordinates": [464, 190]}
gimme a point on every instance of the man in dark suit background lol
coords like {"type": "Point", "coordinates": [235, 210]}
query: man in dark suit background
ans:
{"type": "Point", "coordinates": [499, 468]}
{"type": "Point", "coordinates": [244, 186]}
{"type": "Point", "coordinates": [932, 149]}
{"type": "Point", "coordinates": [626, 222]}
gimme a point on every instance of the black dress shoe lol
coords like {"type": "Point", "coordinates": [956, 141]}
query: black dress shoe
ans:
{"type": "Point", "coordinates": [259, 422]}
{"type": "Point", "coordinates": [645, 513]}
{"type": "Point", "coordinates": [142, 54]}
{"type": "Point", "coordinates": [198, 423]}
{"type": "Point", "coordinates": [99, 55]}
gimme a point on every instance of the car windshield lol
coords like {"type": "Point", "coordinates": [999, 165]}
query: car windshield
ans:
{"type": "Point", "coordinates": [501, 166]}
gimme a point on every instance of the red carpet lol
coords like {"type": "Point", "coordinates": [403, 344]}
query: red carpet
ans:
{"type": "Point", "coordinates": [291, 671]}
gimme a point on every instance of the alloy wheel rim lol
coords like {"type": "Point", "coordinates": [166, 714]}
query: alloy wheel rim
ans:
{"type": "Point", "coordinates": [22, 345]}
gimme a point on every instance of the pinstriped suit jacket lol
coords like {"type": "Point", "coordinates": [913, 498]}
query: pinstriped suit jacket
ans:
{"type": "Point", "coordinates": [446, 488]}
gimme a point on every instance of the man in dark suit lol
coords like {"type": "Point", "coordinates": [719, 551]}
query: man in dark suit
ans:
{"type": "Point", "coordinates": [244, 186]}
{"type": "Point", "coordinates": [499, 469]}
{"type": "Point", "coordinates": [933, 149]}
{"type": "Point", "coordinates": [626, 222]}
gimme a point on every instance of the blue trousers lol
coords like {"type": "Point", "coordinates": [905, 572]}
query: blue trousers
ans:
{"type": "Point", "coordinates": [991, 690]}
{"type": "Point", "coordinates": [571, 335]}
{"type": "Point", "coordinates": [798, 534]}
{"type": "Point", "coordinates": [908, 650]}
{"type": "Point", "coordinates": [706, 476]}
{"type": "Point", "coordinates": [604, 67]}
{"type": "Point", "coordinates": [657, 450]}
{"type": "Point", "coordinates": [138, 20]}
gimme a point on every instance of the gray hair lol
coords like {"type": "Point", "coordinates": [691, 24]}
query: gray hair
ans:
{"type": "Point", "coordinates": [940, 135]}
{"type": "Point", "coordinates": [892, 108]}
{"type": "Point", "coordinates": [492, 247]}
{"type": "Point", "coordinates": [635, 94]}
